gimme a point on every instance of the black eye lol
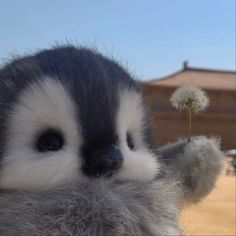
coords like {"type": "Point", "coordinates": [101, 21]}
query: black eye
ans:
{"type": "Point", "coordinates": [130, 141]}
{"type": "Point", "coordinates": [49, 140]}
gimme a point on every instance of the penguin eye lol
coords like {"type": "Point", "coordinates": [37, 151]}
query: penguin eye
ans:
{"type": "Point", "coordinates": [49, 140]}
{"type": "Point", "coordinates": [130, 141]}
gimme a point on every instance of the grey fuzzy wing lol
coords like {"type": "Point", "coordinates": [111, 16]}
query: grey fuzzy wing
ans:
{"type": "Point", "coordinates": [196, 165]}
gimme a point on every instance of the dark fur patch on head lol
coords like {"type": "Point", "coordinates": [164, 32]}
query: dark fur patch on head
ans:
{"type": "Point", "coordinates": [93, 81]}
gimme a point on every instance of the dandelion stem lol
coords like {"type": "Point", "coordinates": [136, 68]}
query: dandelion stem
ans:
{"type": "Point", "coordinates": [190, 123]}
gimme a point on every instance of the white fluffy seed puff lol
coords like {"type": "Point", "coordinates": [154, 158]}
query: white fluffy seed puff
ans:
{"type": "Point", "coordinates": [189, 96]}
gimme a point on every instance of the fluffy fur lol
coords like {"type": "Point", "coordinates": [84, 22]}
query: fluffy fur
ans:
{"type": "Point", "coordinates": [99, 209]}
{"type": "Point", "coordinates": [90, 99]}
{"type": "Point", "coordinates": [105, 207]}
{"type": "Point", "coordinates": [131, 118]}
{"type": "Point", "coordinates": [95, 104]}
{"type": "Point", "coordinates": [196, 165]}
{"type": "Point", "coordinates": [41, 105]}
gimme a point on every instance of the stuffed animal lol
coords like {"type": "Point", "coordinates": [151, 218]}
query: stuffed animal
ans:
{"type": "Point", "coordinates": [77, 156]}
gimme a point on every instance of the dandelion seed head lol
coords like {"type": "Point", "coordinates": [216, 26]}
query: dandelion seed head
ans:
{"type": "Point", "coordinates": [189, 97]}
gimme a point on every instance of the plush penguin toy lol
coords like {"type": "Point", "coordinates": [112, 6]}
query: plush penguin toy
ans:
{"type": "Point", "coordinates": [77, 156]}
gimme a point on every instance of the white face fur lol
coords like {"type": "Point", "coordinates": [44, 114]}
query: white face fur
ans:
{"type": "Point", "coordinates": [49, 105]}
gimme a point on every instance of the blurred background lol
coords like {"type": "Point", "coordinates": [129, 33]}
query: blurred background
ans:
{"type": "Point", "coordinates": [165, 44]}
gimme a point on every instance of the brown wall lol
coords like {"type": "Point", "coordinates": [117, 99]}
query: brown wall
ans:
{"type": "Point", "coordinates": [219, 120]}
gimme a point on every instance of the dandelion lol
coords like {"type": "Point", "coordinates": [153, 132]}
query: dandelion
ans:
{"type": "Point", "coordinates": [189, 98]}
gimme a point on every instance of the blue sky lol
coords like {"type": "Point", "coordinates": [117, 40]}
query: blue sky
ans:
{"type": "Point", "coordinates": [151, 37]}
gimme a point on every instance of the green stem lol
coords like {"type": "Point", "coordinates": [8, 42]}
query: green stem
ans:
{"type": "Point", "coordinates": [190, 124]}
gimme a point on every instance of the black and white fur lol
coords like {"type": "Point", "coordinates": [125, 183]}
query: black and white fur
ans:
{"type": "Point", "coordinates": [89, 99]}
{"type": "Point", "coordinates": [97, 109]}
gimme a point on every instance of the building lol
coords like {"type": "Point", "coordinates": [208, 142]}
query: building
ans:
{"type": "Point", "coordinates": [219, 119]}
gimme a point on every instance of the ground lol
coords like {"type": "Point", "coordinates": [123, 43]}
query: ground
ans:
{"type": "Point", "coordinates": [215, 215]}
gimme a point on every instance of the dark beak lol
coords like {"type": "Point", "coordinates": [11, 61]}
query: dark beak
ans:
{"type": "Point", "coordinates": [102, 162]}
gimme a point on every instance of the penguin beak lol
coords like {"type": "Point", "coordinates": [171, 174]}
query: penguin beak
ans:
{"type": "Point", "coordinates": [103, 162]}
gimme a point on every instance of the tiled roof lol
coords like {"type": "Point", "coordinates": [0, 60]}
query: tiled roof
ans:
{"type": "Point", "coordinates": [203, 78]}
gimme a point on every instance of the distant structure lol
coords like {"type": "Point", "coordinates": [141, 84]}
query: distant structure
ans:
{"type": "Point", "coordinates": [219, 119]}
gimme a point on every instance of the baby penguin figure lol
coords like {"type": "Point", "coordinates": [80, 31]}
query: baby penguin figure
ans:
{"type": "Point", "coordinates": [77, 155]}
